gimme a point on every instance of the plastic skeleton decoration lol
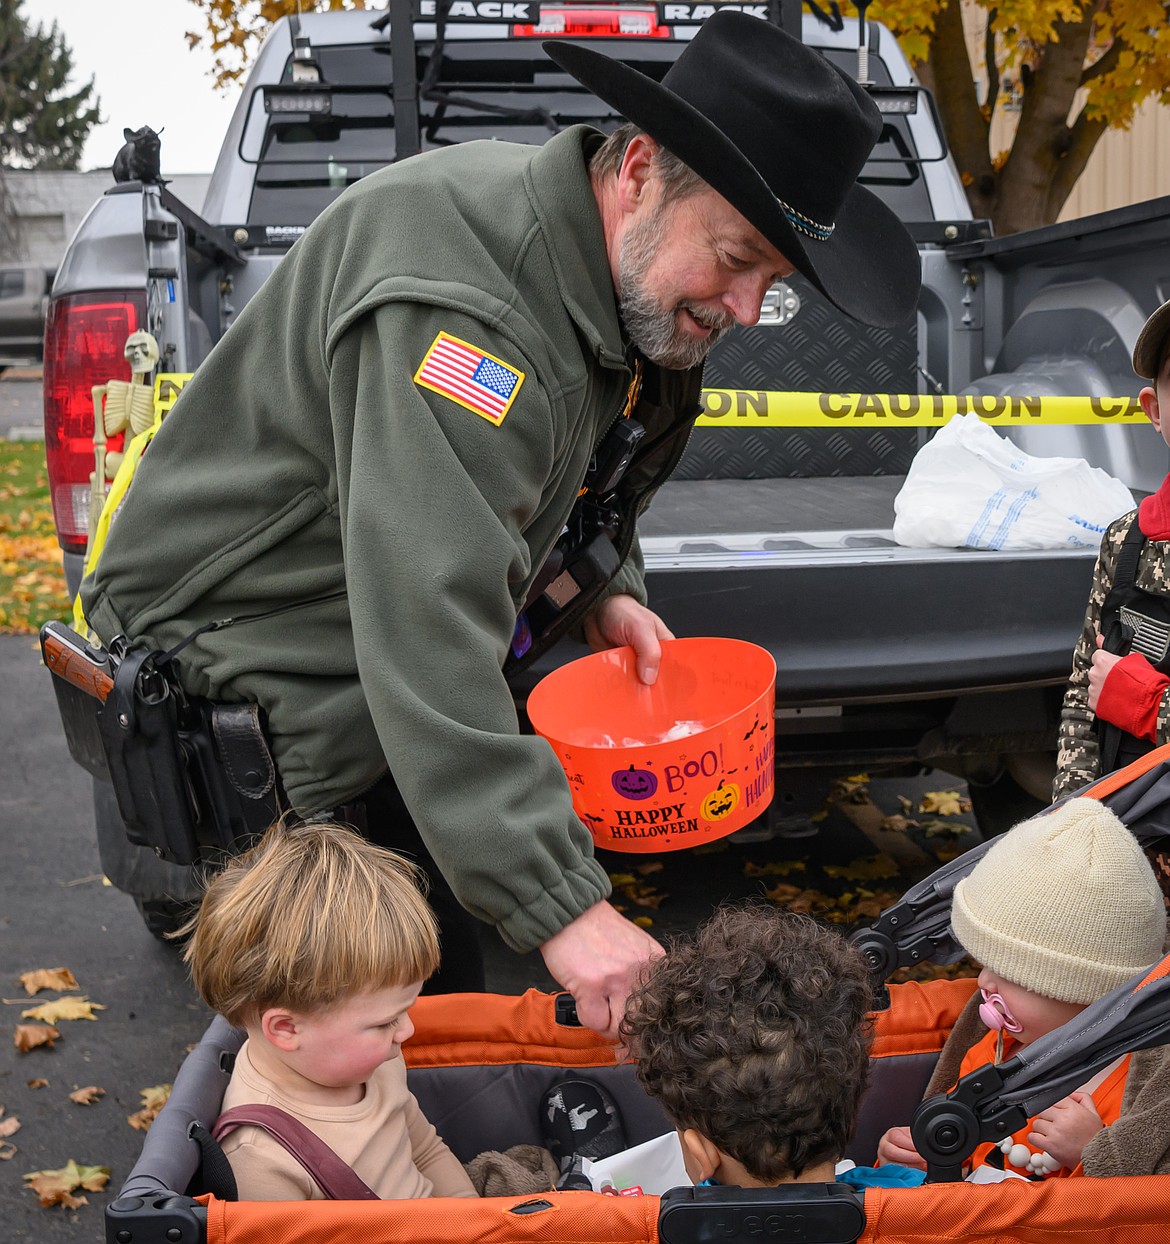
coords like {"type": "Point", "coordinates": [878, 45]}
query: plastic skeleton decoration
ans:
{"type": "Point", "coordinates": [119, 405]}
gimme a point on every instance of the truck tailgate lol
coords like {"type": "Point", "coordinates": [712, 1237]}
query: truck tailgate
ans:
{"type": "Point", "coordinates": [848, 614]}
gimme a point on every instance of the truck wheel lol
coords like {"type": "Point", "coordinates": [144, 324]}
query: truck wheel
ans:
{"type": "Point", "coordinates": [163, 892]}
{"type": "Point", "coordinates": [163, 916]}
{"type": "Point", "coordinates": [1000, 804]}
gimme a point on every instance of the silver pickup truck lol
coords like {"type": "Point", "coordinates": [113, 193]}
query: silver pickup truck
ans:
{"type": "Point", "coordinates": [887, 656]}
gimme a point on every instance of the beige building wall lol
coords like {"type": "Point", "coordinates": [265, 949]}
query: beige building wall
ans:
{"type": "Point", "coordinates": [1126, 166]}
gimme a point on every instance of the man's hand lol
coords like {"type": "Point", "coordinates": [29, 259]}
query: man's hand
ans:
{"type": "Point", "coordinates": [1103, 662]}
{"type": "Point", "coordinates": [896, 1146]}
{"type": "Point", "coordinates": [597, 959]}
{"type": "Point", "coordinates": [1066, 1128]}
{"type": "Point", "coordinates": [621, 620]}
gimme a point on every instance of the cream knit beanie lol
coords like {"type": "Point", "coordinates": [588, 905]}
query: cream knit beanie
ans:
{"type": "Point", "coordinates": [1064, 905]}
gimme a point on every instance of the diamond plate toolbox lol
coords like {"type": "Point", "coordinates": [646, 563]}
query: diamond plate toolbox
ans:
{"type": "Point", "coordinates": [819, 350]}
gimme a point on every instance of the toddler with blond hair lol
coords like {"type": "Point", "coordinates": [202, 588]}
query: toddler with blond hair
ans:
{"type": "Point", "coordinates": [317, 943]}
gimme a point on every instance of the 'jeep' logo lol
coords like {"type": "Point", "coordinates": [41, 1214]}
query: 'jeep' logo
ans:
{"type": "Point", "coordinates": [486, 10]}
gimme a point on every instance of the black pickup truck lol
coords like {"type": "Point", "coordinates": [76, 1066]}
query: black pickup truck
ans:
{"type": "Point", "coordinates": [887, 656]}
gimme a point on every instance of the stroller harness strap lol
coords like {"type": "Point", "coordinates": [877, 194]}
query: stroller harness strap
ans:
{"type": "Point", "coordinates": [337, 1179]}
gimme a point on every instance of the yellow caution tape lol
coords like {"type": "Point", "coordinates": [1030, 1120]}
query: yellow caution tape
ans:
{"type": "Point", "coordinates": [759, 408]}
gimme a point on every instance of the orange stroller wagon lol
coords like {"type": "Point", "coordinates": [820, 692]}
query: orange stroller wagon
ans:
{"type": "Point", "coordinates": [480, 1064]}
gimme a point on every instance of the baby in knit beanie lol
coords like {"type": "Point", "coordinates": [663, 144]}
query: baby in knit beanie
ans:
{"type": "Point", "coordinates": [1060, 911]}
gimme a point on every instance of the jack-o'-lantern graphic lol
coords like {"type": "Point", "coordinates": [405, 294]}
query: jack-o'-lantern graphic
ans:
{"type": "Point", "coordinates": [634, 783]}
{"type": "Point", "coordinates": [721, 802]}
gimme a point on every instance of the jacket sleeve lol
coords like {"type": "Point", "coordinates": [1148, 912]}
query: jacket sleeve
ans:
{"type": "Point", "coordinates": [1078, 759]}
{"type": "Point", "coordinates": [435, 501]}
{"type": "Point", "coordinates": [1132, 696]}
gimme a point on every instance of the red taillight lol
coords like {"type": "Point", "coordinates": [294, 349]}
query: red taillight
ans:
{"type": "Point", "coordinates": [85, 337]}
{"type": "Point", "coordinates": [595, 23]}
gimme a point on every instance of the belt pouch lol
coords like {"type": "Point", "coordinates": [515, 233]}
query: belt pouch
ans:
{"type": "Point", "coordinates": [234, 772]}
{"type": "Point", "coordinates": [139, 727]}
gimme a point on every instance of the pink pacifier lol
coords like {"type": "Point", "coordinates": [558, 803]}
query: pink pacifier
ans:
{"type": "Point", "coordinates": [995, 1013]}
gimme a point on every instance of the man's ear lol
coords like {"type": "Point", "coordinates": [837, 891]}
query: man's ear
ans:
{"type": "Point", "coordinates": [1149, 400]}
{"type": "Point", "coordinates": [635, 171]}
{"type": "Point", "coordinates": [281, 1029]}
{"type": "Point", "coordinates": [704, 1155]}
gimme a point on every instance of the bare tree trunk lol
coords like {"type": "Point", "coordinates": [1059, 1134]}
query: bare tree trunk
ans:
{"type": "Point", "coordinates": [1033, 176]}
{"type": "Point", "coordinates": [947, 70]}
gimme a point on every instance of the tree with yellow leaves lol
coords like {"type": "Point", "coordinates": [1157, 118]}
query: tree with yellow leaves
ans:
{"type": "Point", "coordinates": [1049, 78]}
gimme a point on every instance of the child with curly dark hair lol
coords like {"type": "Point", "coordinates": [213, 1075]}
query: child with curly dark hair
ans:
{"type": "Point", "coordinates": [753, 1035]}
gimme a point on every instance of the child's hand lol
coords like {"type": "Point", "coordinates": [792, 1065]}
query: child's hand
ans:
{"type": "Point", "coordinates": [1103, 662]}
{"type": "Point", "coordinates": [896, 1146]}
{"type": "Point", "coordinates": [1066, 1128]}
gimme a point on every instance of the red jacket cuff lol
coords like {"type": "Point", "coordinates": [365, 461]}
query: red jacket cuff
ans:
{"type": "Point", "coordinates": [1131, 695]}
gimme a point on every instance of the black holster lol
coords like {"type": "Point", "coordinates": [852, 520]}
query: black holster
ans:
{"type": "Point", "coordinates": [193, 780]}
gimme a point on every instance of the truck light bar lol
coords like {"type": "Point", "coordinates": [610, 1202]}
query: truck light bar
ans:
{"type": "Point", "coordinates": [893, 100]}
{"type": "Point", "coordinates": [313, 99]}
{"type": "Point", "coordinates": [596, 22]}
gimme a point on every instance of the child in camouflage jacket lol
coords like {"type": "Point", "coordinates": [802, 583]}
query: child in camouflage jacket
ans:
{"type": "Point", "coordinates": [1117, 704]}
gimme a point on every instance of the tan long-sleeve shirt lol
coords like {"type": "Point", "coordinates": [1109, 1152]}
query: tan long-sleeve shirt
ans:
{"type": "Point", "coordinates": [384, 1137]}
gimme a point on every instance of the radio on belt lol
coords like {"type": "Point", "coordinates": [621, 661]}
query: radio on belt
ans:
{"type": "Point", "coordinates": [613, 456]}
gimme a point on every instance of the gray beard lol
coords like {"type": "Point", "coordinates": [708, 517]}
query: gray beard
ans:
{"type": "Point", "coordinates": [655, 330]}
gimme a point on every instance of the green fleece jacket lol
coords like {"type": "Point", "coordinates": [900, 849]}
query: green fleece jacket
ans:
{"type": "Point", "coordinates": [308, 459]}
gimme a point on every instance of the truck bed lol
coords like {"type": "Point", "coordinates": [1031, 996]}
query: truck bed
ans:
{"type": "Point", "coordinates": [779, 507]}
{"type": "Point", "coordinates": [810, 570]}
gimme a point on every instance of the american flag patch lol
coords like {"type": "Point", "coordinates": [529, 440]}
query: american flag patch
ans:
{"type": "Point", "coordinates": [474, 379]}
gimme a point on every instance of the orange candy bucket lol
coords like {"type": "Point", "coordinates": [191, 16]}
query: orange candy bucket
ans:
{"type": "Point", "coordinates": [666, 767]}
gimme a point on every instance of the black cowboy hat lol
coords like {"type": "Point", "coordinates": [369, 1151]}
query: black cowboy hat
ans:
{"type": "Point", "coordinates": [781, 134]}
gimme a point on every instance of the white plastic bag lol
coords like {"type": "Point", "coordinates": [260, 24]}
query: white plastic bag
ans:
{"type": "Point", "coordinates": [970, 488]}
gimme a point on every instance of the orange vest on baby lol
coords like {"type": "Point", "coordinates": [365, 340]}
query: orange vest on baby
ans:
{"type": "Point", "coordinates": [1106, 1097]}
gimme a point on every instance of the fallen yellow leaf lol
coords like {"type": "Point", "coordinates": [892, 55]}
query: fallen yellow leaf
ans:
{"type": "Point", "coordinates": [38, 1083]}
{"type": "Point", "coordinates": [877, 868]}
{"type": "Point", "coordinates": [945, 829]}
{"type": "Point", "coordinates": [59, 979]}
{"type": "Point", "coordinates": [56, 1187]}
{"type": "Point", "coordinates": [897, 823]}
{"type": "Point", "coordinates": [63, 1008]}
{"type": "Point", "coordinates": [643, 895]}
{"type": "Point", "coordinates": [88, 1095]}
{"type": "Point", "coordinates": [944, 803]}
{"type": "Point", "coordinates": [153, 1100]}
{"type": "Point", "coordinates": [28, 1036]}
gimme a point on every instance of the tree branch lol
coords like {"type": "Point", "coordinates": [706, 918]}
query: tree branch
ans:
{"type": "Point", "coordinates": [1083, 137]}
{"type": "Point", "coordinates": [1040, 150]}
{"type": "Point", "coordinates": [1104, 63]}
{"type": "Point", "coordinates": [966, 125]}
{"type": "Point", "coordinates": [991, 63]}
